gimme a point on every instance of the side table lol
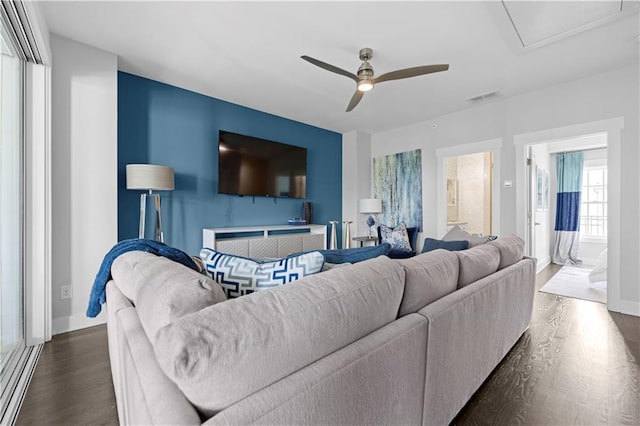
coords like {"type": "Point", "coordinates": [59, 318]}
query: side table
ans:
{"type": "Point", "coordinates": [363, 240]}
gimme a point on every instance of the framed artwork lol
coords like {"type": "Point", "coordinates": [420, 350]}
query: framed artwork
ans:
{"type": "Point", "coordinates": [397, 181]}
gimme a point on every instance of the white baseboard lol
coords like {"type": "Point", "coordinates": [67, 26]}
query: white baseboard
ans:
{"type": "Point", "coordinates": [543, 263]}
{"type": "Point", "coordinates": [627, 307]}
{"type": "Point", "coordinates": [76, 322]}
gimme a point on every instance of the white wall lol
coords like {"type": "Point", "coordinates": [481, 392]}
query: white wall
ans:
{"type": "Point", "coordinates": [84, 174]}
{"type": "Point", "coordinates": [603, 96]}
{"type": "Point", "coordinates": [356, 179]}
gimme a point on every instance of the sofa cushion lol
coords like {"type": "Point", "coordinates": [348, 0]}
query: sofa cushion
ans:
{"type": "Point", "coordinates": [240, 275]}
{"type": "Point", "coordinates": [354, 255]}
{"type": "Point", "coordinates": [433, 244]}
{"type": "Point", "coordinates": [457, 234]}
{"type": "Point", "coordinates": [476, 263]}
{"type": "Point", "coordinates": [162, 290]}
{"type": "Point", "coordinates": [223, 353]}
{"type": "Point", "coordinates": [429, 277]}
{"type": "Point", "coordinates": [511, 249]}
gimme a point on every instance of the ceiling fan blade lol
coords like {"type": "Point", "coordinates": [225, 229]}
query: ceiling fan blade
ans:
{"type": "Point", "coordinates": [355, 99]}
{"type": "Point", "coordinates": [330, 67]}
{"type": "Point", "coordinates": [411, 72]}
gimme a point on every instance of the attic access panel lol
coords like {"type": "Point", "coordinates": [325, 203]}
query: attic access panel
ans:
{"type": "Point", "coordinates": [542, 21]}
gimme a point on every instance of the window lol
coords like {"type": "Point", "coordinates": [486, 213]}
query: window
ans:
{"type": "Point", "coordinates": [593, 208]}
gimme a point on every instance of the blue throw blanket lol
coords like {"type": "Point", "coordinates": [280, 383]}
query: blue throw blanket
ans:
{"type": "Point", "coordinates": [98, 296]}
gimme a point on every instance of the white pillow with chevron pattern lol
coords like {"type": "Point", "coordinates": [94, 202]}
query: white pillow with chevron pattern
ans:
{"type": "Point", "coordinates": [240, 275]}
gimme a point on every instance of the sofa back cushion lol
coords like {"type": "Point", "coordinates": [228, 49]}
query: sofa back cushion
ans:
{"type": "Point", "coordinates": [477, 263]}
{"type": "Point", "coordinates": [429, 277]}
{"type": "Point", "coordinates": [223, 353]}
{"type": "Point", "coordinates": [162, 290]}
{"type": "Point", "coordinates": [511, 249]}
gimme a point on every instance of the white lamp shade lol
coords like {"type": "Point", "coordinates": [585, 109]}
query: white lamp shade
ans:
{"type": "Point", "coordinates": [370, 205]}
{"type": "Point", "coordinates": [150, 176]}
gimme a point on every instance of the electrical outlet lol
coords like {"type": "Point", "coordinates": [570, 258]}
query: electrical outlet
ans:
{"type": "Point", "coordinates": [65, 292]}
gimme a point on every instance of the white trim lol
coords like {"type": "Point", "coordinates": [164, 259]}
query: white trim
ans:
{"type": "Point", "coordinates": [613, 128]}
{"type": "Point", "coordinates": [76, 322]}
{"type": "Point", "coordinates": [541, 264]}
{"type": "Point", "coordinates": [37, 211]}
{"type": "Point", "coordinates": [493, 145]}
{"type": "Point", "coordinates": [39, 29]}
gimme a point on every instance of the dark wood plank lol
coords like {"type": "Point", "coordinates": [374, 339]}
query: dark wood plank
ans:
{"type": "Point", "coordinates": [577, 364]}
{"type": "Point", "coordinates": [72, 383]}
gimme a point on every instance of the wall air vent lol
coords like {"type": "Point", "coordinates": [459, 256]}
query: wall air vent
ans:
{"type": "Point", "coordinates": [484, 96]}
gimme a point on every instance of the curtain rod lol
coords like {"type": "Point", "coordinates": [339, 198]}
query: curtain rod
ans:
{"type": "Point", "coordinates": [578, 150]}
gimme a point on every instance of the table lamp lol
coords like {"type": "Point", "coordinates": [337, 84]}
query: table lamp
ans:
{"type": "Point", "coordinates": [370, 206]}
{"type": "Point", "coordinates": [150, 177]}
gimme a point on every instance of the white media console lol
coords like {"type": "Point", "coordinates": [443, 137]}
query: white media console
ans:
{"type": "Point", "coordinates": [275, 242]}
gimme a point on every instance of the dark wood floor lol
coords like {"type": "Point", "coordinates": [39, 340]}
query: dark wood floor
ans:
{"type": "Point", "coordinates": [72, 382]}
{"type": "Point", "coordinates": [578, 364]}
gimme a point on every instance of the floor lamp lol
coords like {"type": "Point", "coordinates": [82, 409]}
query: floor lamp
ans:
{"type": "Point", "coordinates": [150, 177]}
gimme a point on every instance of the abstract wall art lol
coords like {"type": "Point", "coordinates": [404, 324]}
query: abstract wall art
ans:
{"type": "Point", "coordinates": [397, 181]}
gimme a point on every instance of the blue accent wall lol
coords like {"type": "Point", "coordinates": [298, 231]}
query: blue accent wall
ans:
{"type": "Point", "coordinates": [162, 124]}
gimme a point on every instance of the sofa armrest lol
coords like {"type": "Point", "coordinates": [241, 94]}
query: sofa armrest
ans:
{"type": "Point", "coordinates": [470, 331]}
{"type": "Point", "coordinates": [145, 395]}
{"type": "Point", "coordinates": [378, 379]}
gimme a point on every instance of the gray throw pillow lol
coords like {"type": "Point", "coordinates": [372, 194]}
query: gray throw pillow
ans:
{"type": "Point", "coordinates": [456, 234]}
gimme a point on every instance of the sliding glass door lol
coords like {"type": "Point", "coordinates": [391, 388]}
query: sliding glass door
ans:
{"type": "Point", "coordinates": [12, 341]}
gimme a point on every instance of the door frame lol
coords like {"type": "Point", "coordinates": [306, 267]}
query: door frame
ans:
{"type": "Point", "coordinates": [613, 128]}
{"type": "Point", "coordinates": [493, 145]}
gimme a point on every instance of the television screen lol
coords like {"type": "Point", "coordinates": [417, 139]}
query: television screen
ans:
{"type": "Point", "coordinates": [253, 166]}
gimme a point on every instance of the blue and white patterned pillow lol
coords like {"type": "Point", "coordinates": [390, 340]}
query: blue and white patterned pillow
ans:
{"type": "Point", "coordinates": [398, 237]}
{"type": "Point", "coordinates": [240, 275]}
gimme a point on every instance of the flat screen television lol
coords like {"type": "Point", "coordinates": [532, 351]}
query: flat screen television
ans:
{"type": "Point", "coordinates": [254, 166]}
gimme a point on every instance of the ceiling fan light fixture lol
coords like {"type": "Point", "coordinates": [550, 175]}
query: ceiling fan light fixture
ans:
{"type": "Point", "coordinates": [365, 79]}
{"type": "Point", "coordinates": [365, 85]}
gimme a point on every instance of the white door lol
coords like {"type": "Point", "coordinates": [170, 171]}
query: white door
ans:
{"type": "Point", "coordinates": [538, 212]}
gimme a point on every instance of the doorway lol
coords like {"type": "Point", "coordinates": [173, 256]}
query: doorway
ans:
{"type": "Point", "coordinates": [612, 128]}
{"type": "Point", "coordinates": [469, 192]}
{"type": "Point", "coordinates": [486, 153]}
{"type": "Point", "coordinates": [542, 189]}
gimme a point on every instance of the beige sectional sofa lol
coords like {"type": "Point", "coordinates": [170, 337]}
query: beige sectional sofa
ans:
{"type": "Point", "coordinates": [379, 342]}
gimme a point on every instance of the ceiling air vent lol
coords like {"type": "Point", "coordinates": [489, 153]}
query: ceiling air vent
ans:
{"type": "Point", "coordinates": [484, 96]}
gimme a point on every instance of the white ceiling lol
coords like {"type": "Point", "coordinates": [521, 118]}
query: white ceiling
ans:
{"type": "Point", "coordinates": [249, 53]}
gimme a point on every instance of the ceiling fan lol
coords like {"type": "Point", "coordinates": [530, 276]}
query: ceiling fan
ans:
{"type": "Point", "coordinates": [365, 79]}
